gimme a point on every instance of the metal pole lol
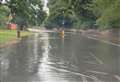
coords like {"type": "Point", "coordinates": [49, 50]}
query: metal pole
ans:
{"type": "Point", "coordinates": [18, 34]}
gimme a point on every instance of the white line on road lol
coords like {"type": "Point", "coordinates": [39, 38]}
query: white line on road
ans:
{"type": "Point", "coordinates": [98, 72]}
{"type": "Point", "coordinates": [96, 79]}
{"type": "Point", "coordinates": [97, 59]}
{"type": "Point", "coordinates": [104, 41]}
{"type": "Point", "coordinates": [117, 77]}
{"type": "Point", "coordinates": [84, 79]}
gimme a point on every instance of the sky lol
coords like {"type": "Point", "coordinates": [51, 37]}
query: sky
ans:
{"type": "Point", "coordinates": [45, 8]}
{"type": "Point", "coordinates": [3, 1]}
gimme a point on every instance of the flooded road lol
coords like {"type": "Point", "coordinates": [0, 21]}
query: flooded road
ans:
{"type": "Point", "coordinates": [47, 57]}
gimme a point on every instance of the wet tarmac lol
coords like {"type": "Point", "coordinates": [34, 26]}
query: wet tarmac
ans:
{"type": "Point", "coordinates": [46, 57]}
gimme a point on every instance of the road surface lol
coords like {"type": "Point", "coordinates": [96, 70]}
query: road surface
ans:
{"type": "Point", "coordinates": [46, 57]}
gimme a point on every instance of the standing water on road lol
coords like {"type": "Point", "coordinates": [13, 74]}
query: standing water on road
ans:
{"type": "Point", "coordinates": [46, 57]}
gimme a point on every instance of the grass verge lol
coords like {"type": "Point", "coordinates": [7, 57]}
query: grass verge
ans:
{"type": "Point", "coordinates": [6, 36]}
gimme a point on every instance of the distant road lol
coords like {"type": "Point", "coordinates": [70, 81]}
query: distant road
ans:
{"type": "Point", "coordinates": [39, 30]}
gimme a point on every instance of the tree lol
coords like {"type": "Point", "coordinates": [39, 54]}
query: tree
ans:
{"type": "Point", "coordinates": [107, 13]}
{"type": "Point", "coordinates": [74, 10]}
{"type": "Point", "coordinates": [4, 15]}
{"type": "Point", "coordinates": [29, 11]}
{"type": "Point", "coordinates": [60, 14]}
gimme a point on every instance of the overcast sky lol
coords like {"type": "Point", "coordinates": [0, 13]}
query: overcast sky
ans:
{"type": "Point", "coordinates": [45, 6]}
{"type": "Point", "coordinates": [3, 1]}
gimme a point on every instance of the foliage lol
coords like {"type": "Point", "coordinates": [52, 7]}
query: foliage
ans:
{"type": "Point", "coordinates": [67, 13]}
{"type": "Point", "coordinates": [107, 13]}
{"type": "Point", "coordinates": [23, 12]}
{"type": "Point", "coordinates": [7, 36]}
{"type": "Point", "coordinates": [74, 10]}
{"type": "Point", "coordinates": [4, 12]}
{"type": "Point", "coordinates": [29, 11]}
{"type": "Point", "coordinates": [60, 13]}
{"type": "Point", "coordinates": [86, 13]}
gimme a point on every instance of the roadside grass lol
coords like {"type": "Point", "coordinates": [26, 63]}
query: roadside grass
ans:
{"type": "Point", "coordinates": [10, 35]}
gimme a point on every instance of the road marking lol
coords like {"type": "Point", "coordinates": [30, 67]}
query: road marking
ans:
{"type": "Point", "coordinates": [98, 72]}
{"type": "Point", "coordinates": [95, 79]}
{"type": "Point", "coordinates": [66, 70]}
{"type": "Point", "coordinates": [117, 77]}
{"type": "Point", "coordinates": [69, 71]}
{"type": "Point", "coordinates": [90, 62]}
{"type": "Point", "coordinates": [84, 79]}
{"type": "Point", "coordinates": [104, 41]}
{"type": "Point", "coordinates": [96, 58]}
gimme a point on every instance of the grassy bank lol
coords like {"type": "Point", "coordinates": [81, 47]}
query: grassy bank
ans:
{"type": "Point", "coordinates": [10, 35]}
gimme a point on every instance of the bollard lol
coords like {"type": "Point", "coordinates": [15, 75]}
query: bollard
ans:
{"type": "Point", "coordinates": [62, 34]}
{"type": "Point", "coordinates": [18, 34]}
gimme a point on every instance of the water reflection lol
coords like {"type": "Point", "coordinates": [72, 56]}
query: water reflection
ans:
{"type": "Point", "coordinates": [4, 65]}
{"type": "Point", "coordinates": [33, 57]}
{"type": "Point", "coordinates": [45, 55]}
{"type": "Point", "coordinates": [46, 72]}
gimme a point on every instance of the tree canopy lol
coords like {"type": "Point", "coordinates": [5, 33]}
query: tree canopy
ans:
{"type": "Point", "coordinates": [4, 15]}
{"type": "Point", "coordinates": [107, 13]}
{"type": "Point", "coordinates": [85, 13]}
{"type": "Point", "coordinates": [26, 11]}
{"type": "Point", "coordinates": [73, 12]}
{"type": "Point", "coordinates": [67, 13]}
{"type": "Point", "coordinates": [30, 10]}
